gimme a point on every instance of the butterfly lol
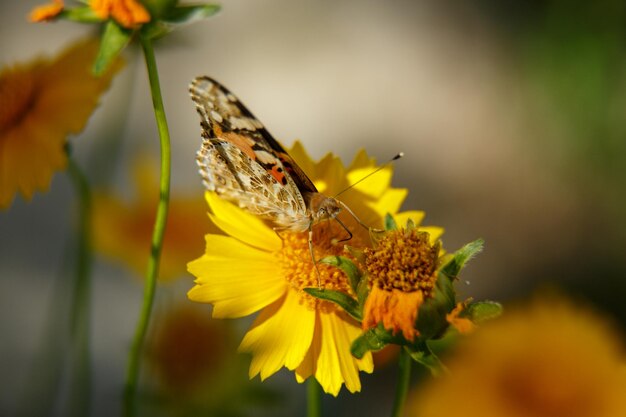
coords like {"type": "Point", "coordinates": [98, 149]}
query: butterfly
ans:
{"type": "Point", "coordinates": [244, 164]}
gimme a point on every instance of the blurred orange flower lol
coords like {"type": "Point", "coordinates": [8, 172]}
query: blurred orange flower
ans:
{"type": "Point", "coordinates": [123, 230]}
{"type": "Point", "coordinates": [41, 103]}
{"type": "Point", "coordinates": [128, 13]}
{"type": "Point", "coordinates": [46, 11]}
{"type": "Point", "coordinates": [550, 358]}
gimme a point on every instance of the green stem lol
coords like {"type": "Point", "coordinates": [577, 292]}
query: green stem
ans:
{"type": "Point", "coordinates": [134, 357]}
{"type": "Point", "coordinates": [79, 316]}
{"type": "Point", "coordinates": [313, 398]}
{"type": "Point", "coordinates": [404, 377]}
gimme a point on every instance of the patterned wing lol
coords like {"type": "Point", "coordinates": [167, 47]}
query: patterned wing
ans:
{"type": "Point", "coordinates": [238, 159]}
{"type": "Point", "coordinates": [224, 116]}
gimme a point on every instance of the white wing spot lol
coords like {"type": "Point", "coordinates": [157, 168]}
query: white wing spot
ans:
{"type": "Point", "coordinates": [216, 116]}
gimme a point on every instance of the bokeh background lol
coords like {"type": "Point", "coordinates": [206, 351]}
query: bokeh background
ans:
{"type": "Point", "coordinates": [512, 116]}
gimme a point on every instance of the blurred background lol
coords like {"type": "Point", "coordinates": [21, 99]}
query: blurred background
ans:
{"type": "Point", "coordinates": [512, 116]}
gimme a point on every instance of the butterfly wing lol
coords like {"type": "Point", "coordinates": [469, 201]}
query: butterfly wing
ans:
{"type": "Point", "coordinates": [243, 163]}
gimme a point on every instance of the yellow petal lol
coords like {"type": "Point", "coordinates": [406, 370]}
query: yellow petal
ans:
{"type": "Point", "coordinates": [361, 160]}
{"type": "Point", "coordinates": [280, 336]}
{"type": "Point", "coordinates": [237, 279]}
{"type": "Point", "coordinates": [435, 232]}
{"type": "Point", "coordinates": [389, 202]}
{"type": "Point", "coordinates": [414, 215]}
{"type": "Point", "coordinates": [302, 158]}
{"type": "Point", "coordinates": [242, 225]}
{"type": "Point", "coordinates": [335, 364]}
{"type": "Point", "coordinates": [330, 172]}
{"type": "Point", "coordinates": [329, 357]}
{"type": "Point", "coordinates": [373, 186]}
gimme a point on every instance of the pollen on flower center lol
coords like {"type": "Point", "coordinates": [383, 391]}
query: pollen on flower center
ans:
{"type": "Point", "coordinates": [298, 267]}
{"type": "Point", "coordinates": [17, 94]}
{"type": "Point", "coordinates": [403, 260]}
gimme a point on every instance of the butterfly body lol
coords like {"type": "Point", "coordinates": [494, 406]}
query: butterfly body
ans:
{"type": "Point", "coordinates": [244, 164]}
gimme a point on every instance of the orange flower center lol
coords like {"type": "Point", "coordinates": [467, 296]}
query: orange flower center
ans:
{"type": "Point", "coordinates": [299, 269]}
{"type": "Point", "coordinates": [17, 95]}
{"type": "Point", "coordinates": [403, 260]}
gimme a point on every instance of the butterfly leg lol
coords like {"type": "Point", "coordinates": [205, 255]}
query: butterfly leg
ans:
{"type": "Point", "coordinates": [277, 230]}
{"type": "Point", "coordinates": [312, 251]}
{"type": "Point", "coordinates": [345, 239]}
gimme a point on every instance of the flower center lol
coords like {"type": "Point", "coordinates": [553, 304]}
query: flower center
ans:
{"type": "Point", "coordinates": [299, 269]}
{"type": "Point", "coordinates": [403, 260]}
{"type": "Point", "coordinates": [17, 94]}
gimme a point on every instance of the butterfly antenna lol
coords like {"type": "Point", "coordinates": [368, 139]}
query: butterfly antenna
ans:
{"type": "Point", "coordinates": [395, 158]}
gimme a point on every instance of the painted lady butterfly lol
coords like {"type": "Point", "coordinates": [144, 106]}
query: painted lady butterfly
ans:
{"type": "Point", "coordinates": [244, 164]}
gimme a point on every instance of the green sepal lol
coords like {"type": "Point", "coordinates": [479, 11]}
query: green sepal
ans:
{"type": "Point", "coordinates": [83, 14]}
{"type": "Point", "coordinates": [362, 291]}
{"type": "Point", "coordinates": [190, 13]}
{"type": "Point", "coordinates": [114, 39]}
{"type": "Point", "coordinates": [410, 225]}
{"type": "Point", "coordinates": [176, 17]}
{"type": "Point", "coordinates": [347, 266]}
{"type": "Point", "coordinates": [373, 340]}
{"type": "Point", "coordinates": [342, 299]}
{"type": "Point", "coordinates": [425, 357]}
{"type": "Point", "coordinates": [461, 257]}
{"type": "Point", "coordinates": [158, 8]}
{"type": "Point", "coordinates": [356, 253]}
{"type": "Point", "coordinates": [482, 311]}
{"type": "Point", "coordinates": [390, 223]}
{"type": "Point", "coordinates": [431, 318]}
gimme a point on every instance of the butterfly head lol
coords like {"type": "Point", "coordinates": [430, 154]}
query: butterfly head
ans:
{"type": "Point", "coordinates": [323, 207]}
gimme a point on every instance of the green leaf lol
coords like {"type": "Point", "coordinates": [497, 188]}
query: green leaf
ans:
{"type": "Point", "coordinates": [190, 13]}
{"type": "Point", "coordinates": [342, 299]}
{"type": "Point", "coordinates": [390, 223]}
{"type": "Point", "coordinates": [84, 14]}
{"type": "Point", "coordinates": [114, 39]}
{"type": "Point", "coordinates": [461, 257]}
{"type": "Point", "coordinates": [482, 311]}
{"type": "Point", "coordinates": [373, 340]}
{"type": "Point", "coordinates": [347, 266]}
{"type": "Point", "coordinates": [424, 356]}
{"type": "Point", "coordinates": [177, 17]}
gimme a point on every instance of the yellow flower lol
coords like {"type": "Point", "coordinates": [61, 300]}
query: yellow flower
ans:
{"type": "Point", "coordinates": [550, 358]}
{"type": "Point", "coordinates": [41, 103]}
{"type": "Point", "coordinates": [123, 231]}
{"type": "Point", "coordinates": [254, 269]}
{"type": "Point", "coordinates": [402, 271]}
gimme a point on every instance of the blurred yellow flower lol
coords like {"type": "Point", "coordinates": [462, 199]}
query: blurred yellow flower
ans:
{"type": "Point", "coordinates": [187, 349]}
{"type": "Point", "coordinates": [41, 103]}
{"type": "Point", "coordinates": [402, 271]}
{"type": "Point", "coordinates": [550, 358]}
{"type": "Point", "coordinates": [122, 230]}
{"type": "Point", "coordinates": [192, 365]}
{"type": "Point", "coordinates": [253, 269]}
